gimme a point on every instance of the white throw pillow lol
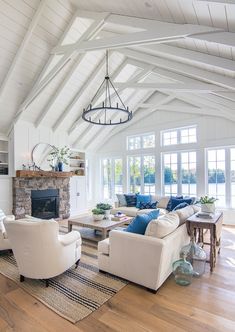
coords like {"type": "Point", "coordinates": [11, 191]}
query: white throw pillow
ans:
{"type": "Point", "coordinates": [163, 226]}
{"type": "Point", "coordinates": [185, 213]}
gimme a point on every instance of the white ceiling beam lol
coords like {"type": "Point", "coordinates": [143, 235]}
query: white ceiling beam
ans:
{"type": "Point", "coordinates": [22, 46]}
{"type": "Point", "coordinates": [89, 33]}
{"type": "Point", "coordinates": [190, 57]}
{"type": "Point", "coordinates": [226, 95]}
{"type": "Point", "coordinates": [222, 38]}
{"type": "Point", "coordinates": [181, 68]}
{"type": "Point", "coordinates": [193, 87]}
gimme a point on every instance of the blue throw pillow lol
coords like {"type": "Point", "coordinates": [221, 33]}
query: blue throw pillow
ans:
{"type": "Point", "coordinates": [142, 199]}
{"type": "Point", "coordinates": [169, 208]}
{"type": "Point", "coordinates": [180, 206]}
{"type": "Point", "coordinates": [140, 222]}
{"type": "Point", "coordinates": [175, 202]}
{"type": "Point", "coordinates": [130, 200]}
{"type": "Point", "coordinates": [149, 205]}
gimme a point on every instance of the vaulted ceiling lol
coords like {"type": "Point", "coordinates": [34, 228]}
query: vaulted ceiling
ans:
{"type": "Point", "coordinates": [173, 55]}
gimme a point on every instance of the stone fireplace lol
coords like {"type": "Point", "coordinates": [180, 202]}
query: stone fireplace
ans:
{"type": "Point", "coordinates": [28, 189]}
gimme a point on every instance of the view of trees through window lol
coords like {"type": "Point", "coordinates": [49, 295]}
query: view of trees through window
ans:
{"type": "Point", "coordinates": [134, 174]}
{"type": "Point", "coordinates": [149, 174]}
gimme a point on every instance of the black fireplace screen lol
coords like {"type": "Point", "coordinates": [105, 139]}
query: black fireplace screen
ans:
{"type": "Point", "coordinates": [45, 203]}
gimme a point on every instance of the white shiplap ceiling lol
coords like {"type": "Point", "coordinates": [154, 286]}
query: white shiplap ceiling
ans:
{"type": "Point", "coordinates": [173, 55]}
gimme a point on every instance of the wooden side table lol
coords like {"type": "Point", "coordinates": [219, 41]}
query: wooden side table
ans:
{"type": "Point", "coordinates": [214, 225]}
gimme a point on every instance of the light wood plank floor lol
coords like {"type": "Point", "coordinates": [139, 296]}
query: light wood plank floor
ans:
{"type": "Point", "coordinates": [208, 304]}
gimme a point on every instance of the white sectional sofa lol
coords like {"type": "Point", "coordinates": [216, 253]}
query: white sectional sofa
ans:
{"type": "Point", "coordinates": [142, 259]}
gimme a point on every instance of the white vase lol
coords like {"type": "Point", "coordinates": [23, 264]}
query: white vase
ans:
{"type": "Point", "coordinates": [98, 217]}
{"type": "Point", "coordinates": [208, 208]}
{"type": "Point", "coordinates": [106, 214]}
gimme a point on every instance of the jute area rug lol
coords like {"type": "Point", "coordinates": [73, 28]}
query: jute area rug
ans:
{"type": "Point", "coordinates": [74, 294]}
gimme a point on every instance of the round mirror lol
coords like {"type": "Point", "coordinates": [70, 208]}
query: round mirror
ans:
{"type": "Point", "coordinates": [41, 156]}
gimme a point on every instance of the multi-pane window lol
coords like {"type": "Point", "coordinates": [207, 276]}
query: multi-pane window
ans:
{"type": "Point", "coordinates": [188, 173]}
{"type": "Point", "coordinates": [149, 174]}
{"type": "Point", "coordinates": [107, 178]}
{"type": "Point", "coordinates": [170, 167]}
{"type": "Point", "coordinates": [232, 170]}
{"type": "Point", "coordinates": [144, 141]}
{"type": "Point", "coordinates": [112, 175]}
{"type": "Point", "coordinates": [183, 135]}
{"type": "Point", "coordinates": [216, 175]}
{"type": "Point", "coordinates": [118, 176]}
{"type": "Point", "coordinates": [170, 137]}
{"type": "Point", "coordinates": [134, 170]}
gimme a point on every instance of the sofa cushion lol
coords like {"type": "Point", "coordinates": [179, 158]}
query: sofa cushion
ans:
{"type": "Point", "coordinates": [142, 199]}
{"type": "Point", "coordinates": [104, 246]}
{"type": "Point", "coordinates": [180, 206]}
{"type": "Point", "coordinates": [185, 213]}
{"type": "Point", "coordinates": [162, 201]}
{"type": "Point", "coordinates": [121, 199]}
{"type": "Point", "coordinates": [130, 200]}
{"type": "Point", "coordinates": [174, 201]}
{"type": "Point", "coordinates": [163, 226]}
{"type": "Point", "coordinates": [149, 205]}
{"type": "Point", "coordinates": [140, 222]}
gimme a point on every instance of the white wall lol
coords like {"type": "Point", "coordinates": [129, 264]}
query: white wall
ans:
{"type": "Point", "coordinates": [212, 132]}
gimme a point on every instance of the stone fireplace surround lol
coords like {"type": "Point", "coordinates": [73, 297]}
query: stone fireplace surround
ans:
{"type": "Point", "coordinates": [22, 187]}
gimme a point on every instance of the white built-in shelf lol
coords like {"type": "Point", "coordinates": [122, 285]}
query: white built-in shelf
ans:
{"type": "Point", "coordinates": [77, 163]}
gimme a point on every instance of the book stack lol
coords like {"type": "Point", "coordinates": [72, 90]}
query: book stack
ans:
{"type": "Point", "coordinates": [119, 217]}
{"type": "Point", "coordinates": [204, 215]}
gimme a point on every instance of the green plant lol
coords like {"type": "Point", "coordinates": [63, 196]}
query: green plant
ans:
{"type": "Point", "coordinates": [207, 200]}
{"type": "Point", "coordinates": [97, 211]}
{"type": "Point", "coordinates": [104, 206]}
{"type": "Point", "coordinates": [60, 155]}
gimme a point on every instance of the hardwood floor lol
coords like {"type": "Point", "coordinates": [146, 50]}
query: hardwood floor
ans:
{"type": "Point", "coordinates": [208, 304]}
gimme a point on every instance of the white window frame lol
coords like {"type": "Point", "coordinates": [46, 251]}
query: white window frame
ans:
{"type": "Point", "coordinates": [113, 158]}
{"type": "Point", "coordinates": [178, 130]}
{"type": "Point", "coordinates": [141, 141]}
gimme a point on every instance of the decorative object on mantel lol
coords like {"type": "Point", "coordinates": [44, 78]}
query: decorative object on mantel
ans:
{"type": "Point", "coordinates": [108, 113]}
{"type": "Point", "coordinates": [68, 294]}
{"type": "Point", "coordinates": [59, 157]}
{"type": "Point", "coordinates": [39, 156]}
{"type": "Point", "coordinates": [39, 174]}
{"type": "Point", "coordinates": [208, 204]}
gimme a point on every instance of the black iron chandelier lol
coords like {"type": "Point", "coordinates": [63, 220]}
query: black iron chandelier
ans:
{"type": "Point", "coordinates": [109, 113]}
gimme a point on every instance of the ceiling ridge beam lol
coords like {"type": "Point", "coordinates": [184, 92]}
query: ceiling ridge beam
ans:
{"type": "Point", "coordinates": [23, 45]}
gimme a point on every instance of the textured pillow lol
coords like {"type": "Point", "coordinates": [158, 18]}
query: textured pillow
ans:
{"type": "Point", "coordinates": [176, 201]}
{"type": "Point", "coordinates": [169, 205]}
{"type": "Point", "coordinates": [130, 199]}
{"type": "Point", "coordinates": [140, 222]}
{"type": "Point", "coordinates": [149, 205]}
{"type": "Point", "coordinates": [185, 213]}
{"type": "Point", "coordinates": [163, 225]}
{"type": "Point", "coordinates": [142, 199]}
{"type": "Point", "coordinates": [121, 199]}
{"type": "Point", "coordinates": [180, 206]}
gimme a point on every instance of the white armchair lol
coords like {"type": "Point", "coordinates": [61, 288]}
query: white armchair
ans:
{"type": "Point", "coordinates": [4, 241]}
{"type": "Point", "coordinates": [39, 250]}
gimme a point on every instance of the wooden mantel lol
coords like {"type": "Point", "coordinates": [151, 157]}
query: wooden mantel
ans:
{"type": "Point", "coordinates": [45, 174]}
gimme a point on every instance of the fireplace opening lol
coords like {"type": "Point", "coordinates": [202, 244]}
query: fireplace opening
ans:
{"type": "Point", "coordinates": [45, 203]}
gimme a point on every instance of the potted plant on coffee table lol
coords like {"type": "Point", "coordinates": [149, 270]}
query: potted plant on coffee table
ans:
{"type": "Point", "coordinates": [208, 204]}
{"type": "Point", "coordinates": [98, 214]}
{"type": "Point", "coordinates": [106, 208]}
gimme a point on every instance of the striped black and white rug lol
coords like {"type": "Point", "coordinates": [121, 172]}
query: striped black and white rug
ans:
{"type": "Point", "coordinates": [74, 294]}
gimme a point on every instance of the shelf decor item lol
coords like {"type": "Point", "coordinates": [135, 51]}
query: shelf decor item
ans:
{"type": "Point", "coordinates": [98, 214]}
{"type": "Point", "coordinates": [207, 204]}
{"type": "Point", "coordinates": [60, 156]}
{"type": "Point", "coordinates": [196, 256]}
{"type": "Point", "coordinates": [183, 271]}
{"type": "Point", "coordinates": [106, 208]}
{"type": "Point", "coordinates": [108, 113]}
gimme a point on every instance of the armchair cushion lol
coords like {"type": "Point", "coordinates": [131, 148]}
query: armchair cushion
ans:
{"type": "Point", "coordinates": [69, 238]}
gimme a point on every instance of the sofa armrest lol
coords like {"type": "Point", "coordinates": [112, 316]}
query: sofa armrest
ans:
{"type": "Point", "coordinates": [70, 238]}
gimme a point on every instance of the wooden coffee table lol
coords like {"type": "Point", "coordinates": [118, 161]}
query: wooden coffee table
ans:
{"type": "Point", "coordinates": [103, 226]}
